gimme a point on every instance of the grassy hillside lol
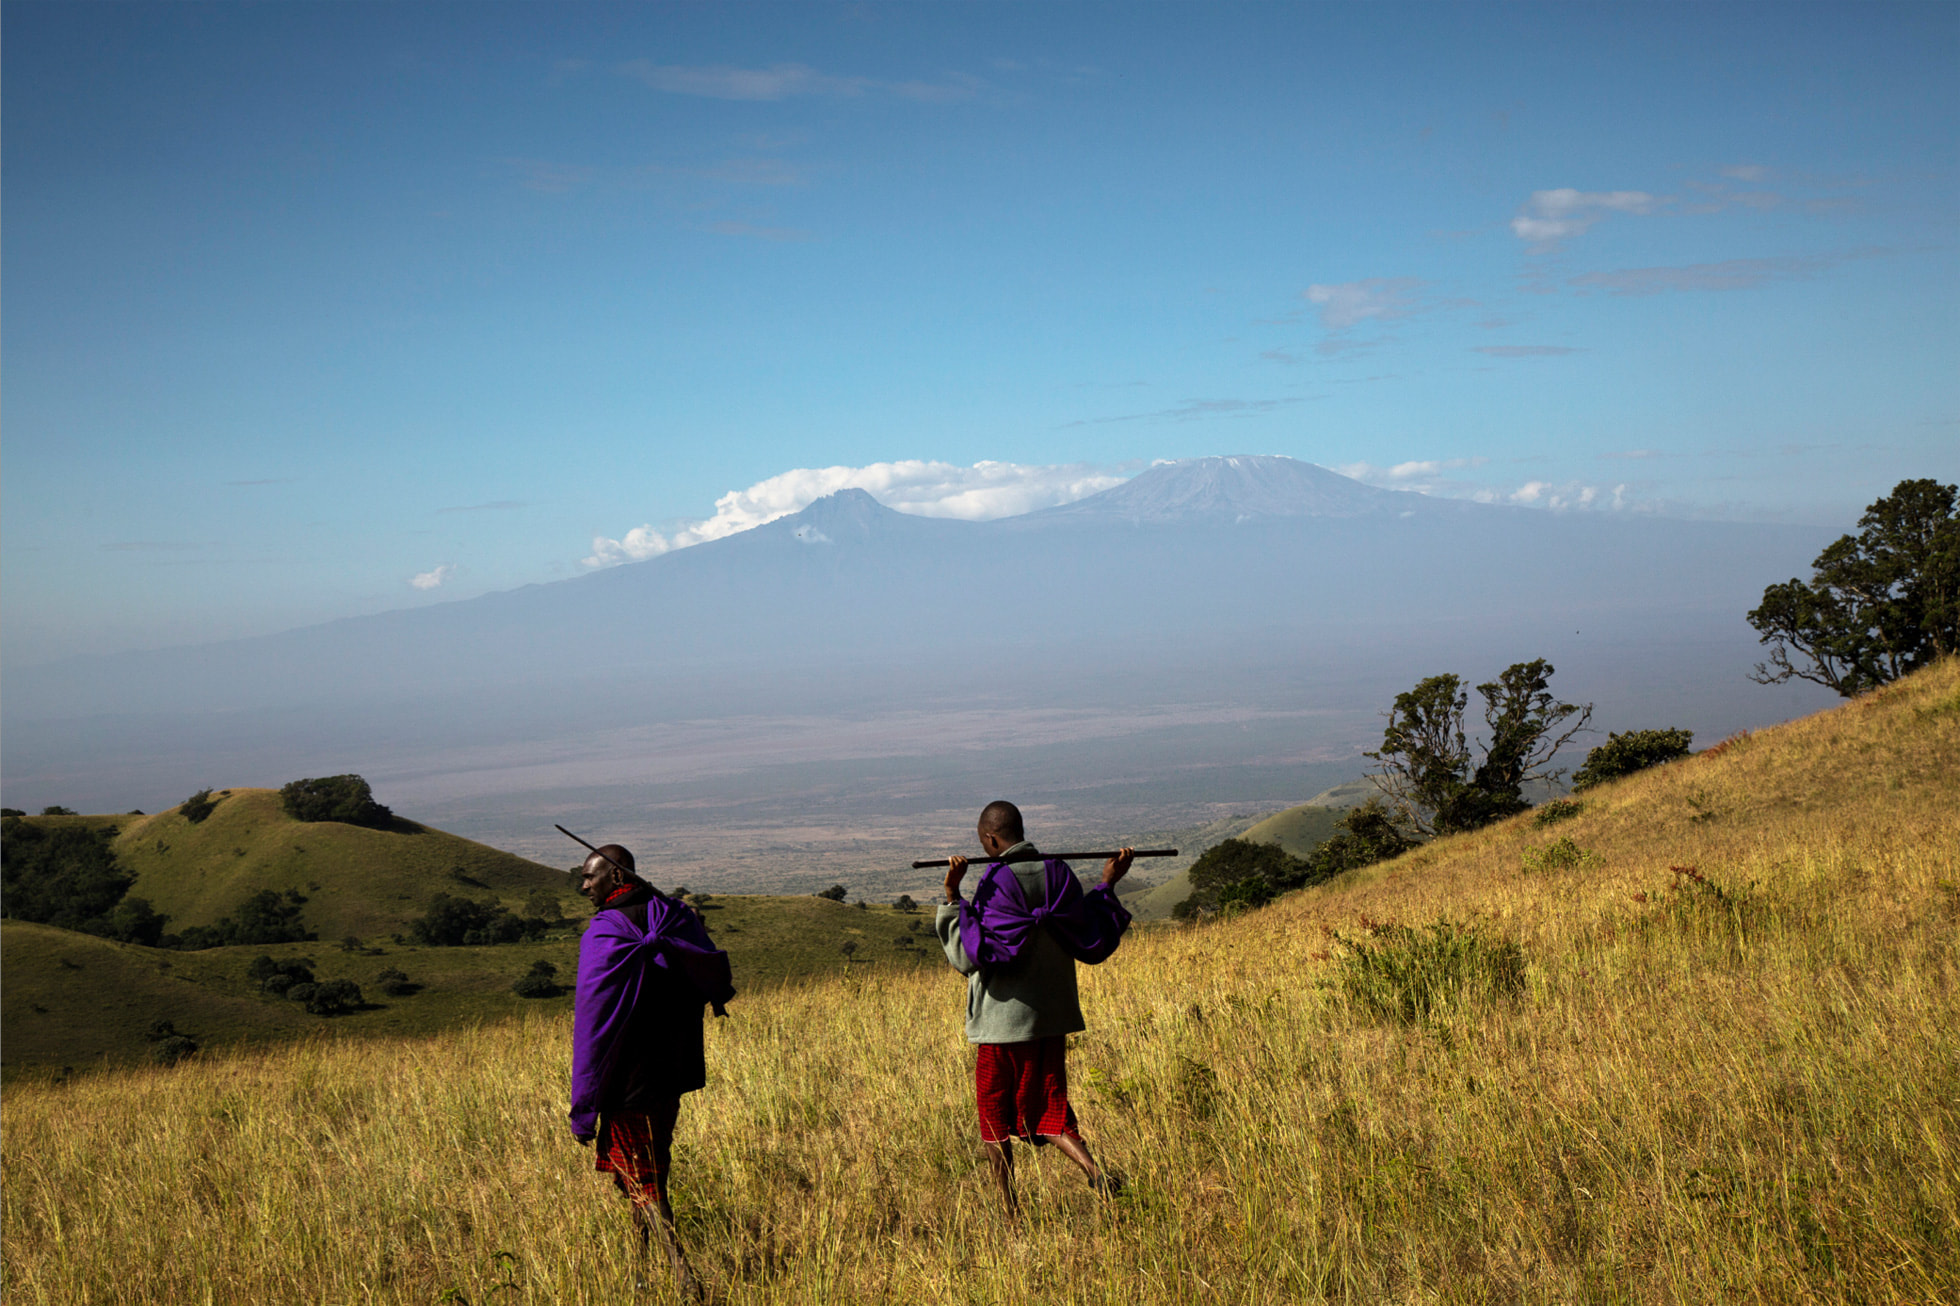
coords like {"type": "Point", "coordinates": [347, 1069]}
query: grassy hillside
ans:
{"type": "Point", "coordinates": [368, 883]}
{"type": "Point", "coordinates": [1739, 1081]}
{"type": "Point", "coordinates": [77, 1001]}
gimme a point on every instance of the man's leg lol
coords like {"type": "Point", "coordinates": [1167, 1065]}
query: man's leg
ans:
{"type": "Point", "coordinates": [643, 1178]}
{"type": "Point", "coordinates": [1000, 1158]}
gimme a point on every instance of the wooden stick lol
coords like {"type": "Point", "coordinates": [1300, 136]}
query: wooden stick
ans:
{"type": "Point", "coordinates": [1106, 854]}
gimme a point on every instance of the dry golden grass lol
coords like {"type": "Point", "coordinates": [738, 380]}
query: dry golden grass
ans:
{"type": "Point", "coordinates": [1753, 1096]}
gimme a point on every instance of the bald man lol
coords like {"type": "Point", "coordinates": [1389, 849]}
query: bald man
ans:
{"type": "Point", "coordinates": [1018, 942]}
{"type": "Point", "coordinates": [646, 967]}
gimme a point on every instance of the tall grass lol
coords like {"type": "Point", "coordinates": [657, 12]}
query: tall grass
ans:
{"type": "Point", "coordinates": [1739, 1081]}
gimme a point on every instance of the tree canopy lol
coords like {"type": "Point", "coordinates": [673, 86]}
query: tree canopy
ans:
{"type": "Point", "coordinates": [1636, 750]}
{"type": "Point", "coordinates": [1878, 605]}
{"type": "Point", "coordinates": [1426, 757]}
{"type": "Point", "coordinates": [343, 798]}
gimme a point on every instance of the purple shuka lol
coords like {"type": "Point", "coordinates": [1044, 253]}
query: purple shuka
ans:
{"type": "Point", "coordinates": [636, 1022]}
{"type": "Point", "coordinates": [998, 922]}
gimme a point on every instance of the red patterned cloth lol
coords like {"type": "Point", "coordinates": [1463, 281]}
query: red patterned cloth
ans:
{"type": "Point", "coordinates": [1022, 1089]}
{"type": "Point", "coordinates": [635, 1147]}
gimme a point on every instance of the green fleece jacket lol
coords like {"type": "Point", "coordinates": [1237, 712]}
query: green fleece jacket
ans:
{"type": "Point", "coordinates": [1033, 998]}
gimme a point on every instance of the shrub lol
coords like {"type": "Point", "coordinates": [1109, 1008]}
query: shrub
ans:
{"type": "Point", "coordinates": [1407, 975]}
{"type": "Point", "coordinates": [544, 904]}
{"type": "Point", "coordinates": [461, 922]}
{"type": "Point", "coordinates": [333, 998]}
{"type": "Point", "coordinates": [167, 1045]}
{"type": "Point", "coordinates": [1248, 874]}
{"type": "Point", "coordinates": [198, 806]}
{"type": "Point", "coordinates": [904, 903]}
{"type": "Point", "coordinates": [1561, 854]}
{"type": "Point", "coordinates": [303, 992]}
{"type": "Point", "coordinates": [343, 798]}
{"type": "Point", "coordinates": [265, 917]}
{"type": "Point", "coordinates": [1559, 809]}
{"type": "Point", "coordinates": [396, 984]}
{"type": "Point", "coordinates": [539, 982]}
{"type": "Point", "coordinates": [1636, 750]}
{"type": "Point", "coordinates": [1367, 834]}
{"type": "Point", "coordinates": [835, 893]}
{"type": "Point", "coordinates": [54, 809]}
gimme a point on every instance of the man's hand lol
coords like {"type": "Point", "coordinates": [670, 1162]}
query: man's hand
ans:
{"type": "Point", "coordinates": [955, 872]}
{"type": "Point", "coordinates": [1118, 866]}
{"type": "Point", "coordinates": [585, 1140]}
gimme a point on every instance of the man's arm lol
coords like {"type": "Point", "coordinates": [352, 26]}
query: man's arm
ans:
{"type": "Point", "coordinates": [946, 924]}
{"type": "Point", "coordinates": [1117, 867]}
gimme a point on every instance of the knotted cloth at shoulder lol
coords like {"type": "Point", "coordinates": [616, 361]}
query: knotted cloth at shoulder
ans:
{"type": "Point", "coordinates": [997, 924]}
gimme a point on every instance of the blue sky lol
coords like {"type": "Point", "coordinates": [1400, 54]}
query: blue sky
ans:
{"type": "Point", "coordinates": [317, 310]}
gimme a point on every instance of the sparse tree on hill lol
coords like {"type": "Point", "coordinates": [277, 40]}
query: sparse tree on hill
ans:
{"type": "Point", "coordinates": [1426, 757]}
{"type": "Point", "coordinates": [343, 798]}
{"type": "Point", "coordinates": [1367, 834]}
{"type": "Point", "coordinates": [836, 893]}
{"type": "Point", "coordinates": [198, 806]}
{"type": "Point", "coordinates": [1879, 604]}
{"type": "Point", "coordinates": [544, 904]}
{"type": "Point", "coordinates": [54, 809]}
{"type": "Point", "coordinates": [904, 903]}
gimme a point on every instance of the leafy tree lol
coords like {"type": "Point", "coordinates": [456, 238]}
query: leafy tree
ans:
{"type": "Point", "coordinates": [1879, 604]}
{"type": "Point", "coordinates": [1426, 758]}
{"type": "Point", "coordinates": [1363, 836]}
{"type": "Point", "coordinates": [541, 981]}
{"type": "Point", "coordinates": [198, 806]}
{"type": "Point", "coordinates": [1636, 750]}
{"type": "Point", "coordinates": [265, 917]}
{"type": "Point", "coordinates": [461, 922]}
{"type": "Point", "coordinates": [835, 893]}
{"type": "Point", "coordinates": [343, 798]}
{"type": "Point", "coordinates": [1241, 872]}
{"type": "Point", "coordinates": [168, 1045]}
{"type": "Point", "coordinates": [57, 810]}
{"type": "Point", "coordinates": [544, 904]}
{"type": "Point", "coordinates": [333, 998]}
{"type": "Point", "coordinates": [904, 903]}
{"type": "Point", "coordinates": [10, 811]}
{"type": "Point", "coordinates": [396, 984]}
{"type": "Point", "coordinates": [66, 876]}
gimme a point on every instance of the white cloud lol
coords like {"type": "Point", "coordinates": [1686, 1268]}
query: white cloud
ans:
{"type": "Point", "coordinates": [1416, 474]}
{"type": "Point", "coordinates": [1433, 476]}
{"type": "Point", "coordinates": [428, 580]}
{"type": "Point", "coordinates": [922, 488]}
{"type": "Point", "coordinates": [1550, 216]}
{"type": "Point", "coordinates": [1345, 303]}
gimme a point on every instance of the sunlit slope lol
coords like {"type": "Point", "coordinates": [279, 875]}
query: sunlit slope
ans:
{"type": "Point", "coordinates": [369, 883]}
{"type": "Point", "coordinates": [1751, 1095]}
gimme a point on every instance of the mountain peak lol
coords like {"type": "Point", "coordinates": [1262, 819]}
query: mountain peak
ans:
{"type": "Point", "coordinates": [1236, 488]}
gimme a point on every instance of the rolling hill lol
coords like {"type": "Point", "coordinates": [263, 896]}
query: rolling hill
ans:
{"type": "Point", "coordinates": [1700, 1039]}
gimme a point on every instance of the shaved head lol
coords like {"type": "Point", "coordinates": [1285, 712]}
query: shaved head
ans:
{"type": "Point", "coordinates": [1004, 819]}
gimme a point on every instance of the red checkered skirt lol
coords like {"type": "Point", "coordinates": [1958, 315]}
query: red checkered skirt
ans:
{"type": "Point", "coordinates": [635, 1147]}
{"type": "Point", "coordinates": [1022, 1090]}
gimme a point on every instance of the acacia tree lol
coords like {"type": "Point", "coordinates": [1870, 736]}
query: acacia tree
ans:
{"type": "Point", "coordinates": [1879, 604]}
{"type": "Point", "coordinates": [1425, 755]}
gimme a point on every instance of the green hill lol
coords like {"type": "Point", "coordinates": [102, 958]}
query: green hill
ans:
{"type": "Point", "coordinates": [71, 999]}
{"type": "Point", "coordinates": [368, 883]}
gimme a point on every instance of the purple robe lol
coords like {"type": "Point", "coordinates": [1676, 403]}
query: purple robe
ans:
{"type": "Point", "coordinates": [637, 990]}
{"type": "Point", "coordinates": [998, 922]}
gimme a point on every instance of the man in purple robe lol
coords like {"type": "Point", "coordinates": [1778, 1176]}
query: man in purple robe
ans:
{"type": "Point", "coordinates": [1017, 943]}
{"type": "Point", "coordinates": [646, 966]}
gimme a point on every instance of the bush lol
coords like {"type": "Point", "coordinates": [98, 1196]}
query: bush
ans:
{"type": "Point", "coordinates": [539, 982]}
{"type": "Point", "coordinates": [265, 917]}
{"type": "Point", "coordinates": [461, 922]}
{"type": "Point", "coordinates": [904, 903]}
{"type": "Point", "coordinates": [333, 998]}
{"type": "Point", "coordinates": [303, 992]}
{"type": "Point", "coordinates": [343, 798]}
{"type": "Point", "coordinates": [1406, 975]}
{"type": "Point", "coordinates": [835, 893]}
{"type": "Point", "coordinates": [1560, 854]}
{"type": "Point", "coordinates": [1367, 834]}
{"type": "Point", "coordinates": [1559, 809]}
{"type": "Point", "coordinates": [396, 984]}
{"type": "Point", "coordinates": [544, 904]}
{"type": "Point", "coordinates": [1241, 872]}
{"type": "Point", "coordinates": [198, 806]}
{"type": "Point", "coordinates": [1636, 750]}
{"type": "Point", "coordinates": [167, 1045]}
{"type": "Point", "coordinates": [56, 810]}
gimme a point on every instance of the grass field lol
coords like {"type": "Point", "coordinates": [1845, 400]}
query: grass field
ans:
{"type": "Point", "coordinates": [1737, 1080]}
